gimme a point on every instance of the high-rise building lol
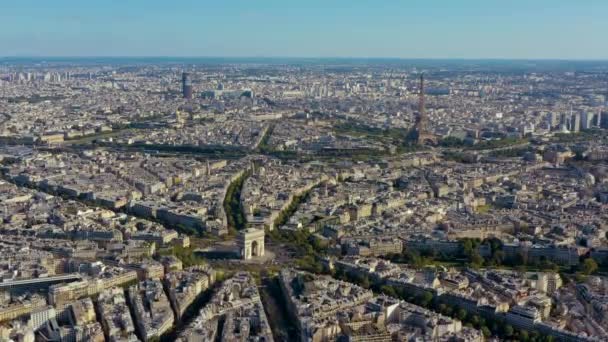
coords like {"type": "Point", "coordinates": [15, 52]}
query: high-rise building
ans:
{"type": "Point", "coordinates": [186, 85]}
{"type": "Point", "coordinates": [597, 119]}
{"type": "Point", "coordinates": [604, 119]}
{"type": "Point", "coordinates": [576, 122]}
{"type": "Point", "coordinates": [586, 120]}
{"type": "Point", "coordinates": [564, 121]}
{"type": "Point", "coordinates": [552, 119]}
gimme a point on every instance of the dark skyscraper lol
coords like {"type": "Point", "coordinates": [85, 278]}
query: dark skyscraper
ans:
{"type": "Point", "coordinates": [186, 85]}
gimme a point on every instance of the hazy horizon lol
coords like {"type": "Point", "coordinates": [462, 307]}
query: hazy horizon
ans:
{"type": "Point", "coordinates": [540, 59]}
{"type": "Point", "coordinates": [438, 29]}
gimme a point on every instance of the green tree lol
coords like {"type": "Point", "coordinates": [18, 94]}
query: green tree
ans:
{"type": "Point", "coordinates": [426, 298]}
{"type": "Point", "coordinates": [580, 277]}
{"type": "Point", "coordinates": [365, 283]}
{"type": "Point", "coordinates": [416, 260]}
{"type": "Point", "coordinates": [498, 257]}
{"type": "Point", "coordinates": [521, 258]}
{"type": "Point", "coordinates": [508, 330]}
{"type": "Point", "coordinates": [486, 332]}
{"type": "Point", "coordinates": [476, 260]}
{"type": "Point", "coordinates": [494, 327]}
{"type": "Point", "coordinates": [449, 310]}
{"type": "Point", "coordinates": [451, 142]}
{"type": "Point", "coordinates": [461, 314]}
{"type": "Point", "coordinates": [534, 335]}
{"type": "Point", "coordinates": [589, 266]}
{"type": "Point", "coordinates": [475, 320]}
{"type": "Point", "coordinates": [467, 247]}
{"type": "Point", "coordinates": [521, 269]}
{"type": "Point", "coordinates": [549, 265]}
{"type": "Point", "coordinates": [495, 244]}
{"type": "Point", "coordinates": [388, 290]}
{"type": "Point", "coordinates": [442, 308]}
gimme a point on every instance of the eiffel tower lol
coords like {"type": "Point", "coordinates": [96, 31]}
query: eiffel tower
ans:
{"type": "Point", "coordinates": [423, 136]}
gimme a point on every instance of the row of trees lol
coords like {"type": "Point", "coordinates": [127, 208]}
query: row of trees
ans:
{"type": "Point", "coordinates": [585, 135]}
{"type": "Point", "coordinates": [208, 151]}
{"type": "Point", "coordinates": [459, 157]}
{"type": "Point", "coordinates": [307, 247]}
{"type": "Point", "coordinates": [498, 143]}
{"type": "Point", "coordinates": [469, 256]}
{"type": "Point", "coordinates": [484, 145]}
{"type": "Point", "coordinates": [511, 152]}
{"type": "Point", "coordinates": [488, 326]}
{"type": "Point", "coordinates": [291, 209]}
{"type": "Point", "coordinates": [232, 203]}
{"type": "Point", "coordinates": [188, 230]}
{"type": "Point", "coordinates": [451, 142]}
{"type": "Point", "coordinates": [264, 146]}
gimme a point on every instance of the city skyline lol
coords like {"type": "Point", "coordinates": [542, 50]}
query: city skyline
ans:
{"type": "Point", "coordinates": [281, 171]}
{"type": "Point", "coordinates": [471, 29]}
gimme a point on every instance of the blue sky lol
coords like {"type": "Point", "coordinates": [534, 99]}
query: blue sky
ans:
{"type": "Point", "coordinates": [560, 29]}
